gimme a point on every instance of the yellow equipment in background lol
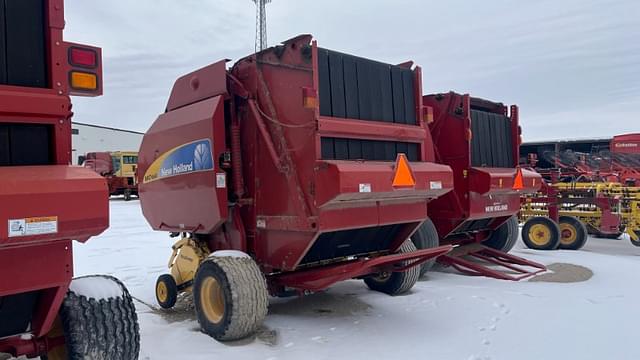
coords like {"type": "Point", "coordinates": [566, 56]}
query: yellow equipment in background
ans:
{"type": "Point", "coordinates": [125, 163]}
{"type": "Point", "coordinates": [607, 209]}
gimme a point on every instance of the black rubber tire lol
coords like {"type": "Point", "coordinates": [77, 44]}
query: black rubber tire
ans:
{"type": "Point", "coordinates": [98, 328]}
{"type": "Point", "coordinates": [396, 283]}
{"type": "Point", "coordinates": [505, 236]}
{"type": "Point", "coordinates": [172, 291]}
{"type": "Point", "coordinates": [245, 297]}
{"type": "Point", "coordinates": [426, 237]}
{"type": "Point", "coordinates": [580, 231]}
{"type": "Point", "coordinates": [127, 194]}
{"type": "Point", "coordinates": [554, 238]}
{"type": "Point", "coordinates": [634, 242]}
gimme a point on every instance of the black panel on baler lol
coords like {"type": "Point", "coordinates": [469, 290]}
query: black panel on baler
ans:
{"type": "Point", "coordinates": [325, 84]}
{"type": "Point", "coordinates": [340, 244]}
{"type": "Point", "coordinates": [23, 62]}
{"type": "Point", "coordinates": [25, 144]}
{"type": "Point", "coordinates": [491, 140]}
{"type": "Point", "coordinates": [358, 149]}
{"type": "Point", "coordinates": [4, 145]}
{"type": "Point", "coordinates": [3, 44]}
{"type": "Point", "coordinates": [359, 88]}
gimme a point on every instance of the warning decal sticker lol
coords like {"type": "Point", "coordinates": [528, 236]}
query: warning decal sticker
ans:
{"type": "Point", "coordinates": [33, 226]}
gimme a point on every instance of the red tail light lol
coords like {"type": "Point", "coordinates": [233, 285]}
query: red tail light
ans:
{"type": "Point", "coordinates": [83, 57]}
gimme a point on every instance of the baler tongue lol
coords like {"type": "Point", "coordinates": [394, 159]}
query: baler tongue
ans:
{"type": "Point", "coordinates": [319, 278]}
{"type": "Point", "coordinates": [480, 260]}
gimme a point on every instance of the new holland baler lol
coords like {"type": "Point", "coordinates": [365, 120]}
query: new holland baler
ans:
{"type": "Point", "coordinates": [296, 168]}
{"type": "Point", "coordinates": [479, 140]}
{"type": "Point", "coordinates": [45, 203]}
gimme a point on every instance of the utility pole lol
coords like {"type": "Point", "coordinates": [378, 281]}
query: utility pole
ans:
{"type": "Point", "coordinates": [261, 24]}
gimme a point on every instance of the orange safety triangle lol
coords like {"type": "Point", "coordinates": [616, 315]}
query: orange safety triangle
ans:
{"type": "Point", "coordinates": [518, 181]}
{"type": "Point", "coordinates": [403, 176]}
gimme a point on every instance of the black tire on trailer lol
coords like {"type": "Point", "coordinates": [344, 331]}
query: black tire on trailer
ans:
{"type": "Point", "coordinates": [426, 237]}
{"type": "Point", "coordinates": [573, 233]}
{"type": "Point", "coordinates": [166, 291]}
{"type": "Point", "coordinates": [230, 297]}
{"type": "Point", "coordinates": [505, 236]}
{"type": "Point", "coordinates": [541, 233]}
{"type": "Point", "coordinates": [96, 327]}
{"type": "Point", "coordinates": [396, 283]}
{"type": "Point", "coordinates": [127, 194]}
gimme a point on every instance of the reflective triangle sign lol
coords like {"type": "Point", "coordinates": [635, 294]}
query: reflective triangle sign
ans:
{"type": "Point", "coordinates": [518, 181]}
{"type": "Point", "coordinates": [404, 175]}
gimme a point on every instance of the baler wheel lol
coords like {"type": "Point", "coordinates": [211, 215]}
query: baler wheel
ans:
{"type": "Point", "coordinates": [636, 242]}
{"type": "Point", "coordinates": [504, 237]}
{"type": "Point", "coordinates": [97, 321]}
{"type": "Point", "coordinates": [166, 291]}
{"type": "Point", "coordinates": [396, 283]}
{"type": "Point", "coordinates": [426, 237]}
{"type": "Point", "coordinates": [573, 233]}
{"type": "Point", "coordinates": [541, 233]}
{"type": "Point", "coordinates": [230, 297]}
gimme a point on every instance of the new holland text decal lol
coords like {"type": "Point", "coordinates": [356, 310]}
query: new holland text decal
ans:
{"type": "Point", "coordinates": [184, 159]}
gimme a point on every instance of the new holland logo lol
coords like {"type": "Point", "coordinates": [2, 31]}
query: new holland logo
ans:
{"type": "Point", "coordinates": [184, 159]}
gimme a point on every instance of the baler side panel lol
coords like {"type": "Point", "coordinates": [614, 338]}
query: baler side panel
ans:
{"type": "Point", "coordinates": [189, 177]}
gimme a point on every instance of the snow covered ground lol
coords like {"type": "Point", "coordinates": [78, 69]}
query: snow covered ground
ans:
{"type": "Point", "coordinates": [446, 315]}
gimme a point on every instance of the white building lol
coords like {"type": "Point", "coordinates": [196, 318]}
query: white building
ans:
{"type": "Point", "coordinates": [94, 138]}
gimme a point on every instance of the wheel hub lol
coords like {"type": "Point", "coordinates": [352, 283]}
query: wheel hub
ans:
{"type": "Point", "coordinates": [568, 234]}
{"type": "Point", "coordinates": [540, 234]}
{"type": "Point", "coordinates": [212, 300]}
{"type": "Point", "coordinates": [162, 291]}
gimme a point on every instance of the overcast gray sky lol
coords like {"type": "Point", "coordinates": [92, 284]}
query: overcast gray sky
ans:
{"type": "Point", "coordinates": [573, 66]}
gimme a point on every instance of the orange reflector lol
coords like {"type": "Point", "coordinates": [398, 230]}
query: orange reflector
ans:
{"type": "Point", "coordinates": [404, 176]}
{"type": "Point", "coordinates": [469, 134]}
{"type": "Point", "coordinates": [310, 102]}
{"type": "Point", "coordinates": [309, 98]}
{"type": "Point", "coordinates": [427, 114]}
{"type": "Point", "coordinates": [518, 181]}
{"type": "Point", "coordinates": [83, 81]}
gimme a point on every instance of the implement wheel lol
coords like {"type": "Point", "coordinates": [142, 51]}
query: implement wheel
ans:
{"type": "Point", "coordinates": [541, 233]}
{"type": "Point", "coordinates": [426, 237]}
{"type": "Point", "coordinates": [396, 283]}
{"type": "Point", "coordinates": [230, 297]}
{"type": "Point", "coordinates": [166, 291]}
{"type": "Point", "coordinates": [504, 237]}
{"type": "Point", "coordinates": [573, 233]}
{"type": "Point", "coordinates": [97, 321]}
{"type": "Point", "coordinates": [636, 242]}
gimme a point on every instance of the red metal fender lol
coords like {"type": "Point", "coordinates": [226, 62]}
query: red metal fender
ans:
{"type": "Point", "coordinates": [501, 180]}
{"type": "Point", "coordinates": [71, 199]}
{"type": "Point", "coordinates": [317, 279]}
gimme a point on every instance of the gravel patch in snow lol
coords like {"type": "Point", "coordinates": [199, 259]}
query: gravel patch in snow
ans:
{"type": "Point", "coordinates": [565, 273]}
